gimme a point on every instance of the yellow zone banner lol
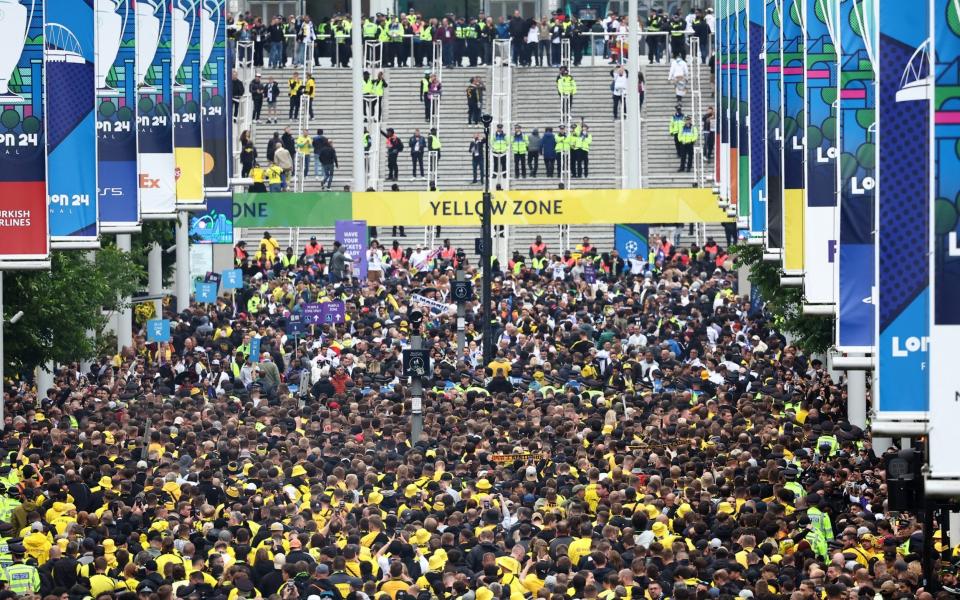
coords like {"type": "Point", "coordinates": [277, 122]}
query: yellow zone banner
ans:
{"type": "Point", "coordinates": [539, 207]}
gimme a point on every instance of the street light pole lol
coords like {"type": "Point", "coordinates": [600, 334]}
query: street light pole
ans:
{"type": "Point", "coordinates": [486, 249]}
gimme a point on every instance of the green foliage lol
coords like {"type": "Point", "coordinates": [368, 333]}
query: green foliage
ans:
{"type": "Point", "coordinates": [59, 306]}
{"type": "Point", "coordinates": [162, 232]}
{"type": "Point", "coordinates": [811, 334]}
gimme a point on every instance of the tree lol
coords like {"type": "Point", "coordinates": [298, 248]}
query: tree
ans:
{"type": "Point", "coordinates": [60, 305]}
{"type": "Point", "coordinates": [162, 232]}
{"type": "Point", "coordinates": [813, 334]}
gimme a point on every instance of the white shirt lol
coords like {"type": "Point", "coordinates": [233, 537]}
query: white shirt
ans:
{"type": "Point", "coordinates": [533, 36]}
{"type": "Point", "coordinates": [711, 21]}
{"type": "Point", "coordinates": [374, 259]}
{"type": "Point", "coordinates": [678, 67]}
{"type": "Point", "coordinates": [619, 84]}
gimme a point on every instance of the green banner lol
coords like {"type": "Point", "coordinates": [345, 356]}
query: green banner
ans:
{"type": "Point", "coordinates": [288, 209]}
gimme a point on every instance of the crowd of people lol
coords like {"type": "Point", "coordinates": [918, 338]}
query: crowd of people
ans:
{"type": "Point", "coordinates": [642, 431]}
{"type": "Point", "coordinates": [408, 38]}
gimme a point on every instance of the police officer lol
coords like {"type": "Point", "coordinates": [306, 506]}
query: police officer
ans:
{"type": "Point", "coordinates": [686, 138]}
{"type": "Point", "coordinates": [654, 42]}
{"type": "Point", "coordinates": [581, 147]}
{"type": "Point", "coordinates": [678, 42]}
{"type": "Point", "coordinates": [519, 148]}
{"type": "Point", "coordinates": [499, 147]}
{"type": "Point", "coordinates": [563, 149]}
{"type": "Point", "coordinates": [676, 124]}
{"type": "Point", "coordinates": [20, 577]}
{"type": "Point", "coordinates": [566, 89]}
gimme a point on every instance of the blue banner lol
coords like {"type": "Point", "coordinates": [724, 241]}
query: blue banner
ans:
{"type": "Point", "coordinates": [820, 95]}
{"type": "Point", "coordinates": [858, 155]}
{"type": "Point", "coordinates": [632, 240]}
{"type": "Point", "coordinates": [187, 95]}
{"type": "Point", "coordinates": [154, 119]}
{"type": "Point", "coordinates": [216, 106]}
{"type": "Point", "coordinates": [205, 292]}
{"type": "Point", "coordinates": [71, 123]}
{"type": "Point", "coordinates": [119, 190]}
{"type": "Point", "coordinates": [158, 330]}
{"type": "Point", "coordinates": [215, 224]}
{"type": "Point", "coordinates": [723, 96]}
{"type": "Point", "coordinates": [903, 202]}
{"type": "Point", "coordinates": [792, 72]}
{"type": "Point", "coordinates": [756, 79]}
{"type": "Point", "coordinates": [232, 279]}
{"type": "Point", "coordinates": [745, 141]}
{"type": "Point", "coordinates": [23, 170]}
{"type": "Point", "coordinates": [772, 127]}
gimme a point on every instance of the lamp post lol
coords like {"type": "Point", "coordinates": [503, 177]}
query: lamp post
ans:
{"type": "Point", "coordinates": [486, 249]}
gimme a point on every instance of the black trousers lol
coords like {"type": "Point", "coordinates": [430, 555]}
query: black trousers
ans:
{"type": "Point", "coordinates": [686, 157]}
{"type": "Point", "coordinates": [533, 162]}
{"type": "Point", "coordinates": [520, 165]}
{"type": "Point", "coordinates": [548, 163]}
{"type": "Point", "coordinates": [417, 159]}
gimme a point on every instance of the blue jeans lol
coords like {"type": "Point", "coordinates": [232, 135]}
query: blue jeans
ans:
{"type": "Point", "coordinates": [599, 46]}
{"type": "Point", "coordinates": [276, 54]}
{"type": "Point", "coordinates": [327, 171]}
{"type": "Point", "coordinates": [275, 187]}
{"type": "Point", "coordinates": [307, 159]}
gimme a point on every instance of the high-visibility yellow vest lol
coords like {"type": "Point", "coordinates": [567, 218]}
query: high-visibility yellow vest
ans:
{"type": "Point", "coordinates": [519, 144]}
{"type": "Point", "coordinates": [295, 85]}
{"type": "Point", "coordinates": [435, 142]}
{"type": "Point", "coordinates": [22, 579]}
{"type": "Point", "coordinates": [499, 144]}
{"type": "Point", "coordinates": [378, 88]}
{"type": "Point", "coordinates": [676, 124]}
{"type": "Point", "coordinates": [426, 34]}
{"type": "Point", "coordinates": [369, 29]}
{"type": "Point", "coordinates": [367, 88]}
{"type": "Point", "coordinates": [584, 141]}
{"type": "Point", "coordinates": [384, 36]}
{"type": "Point", "coordinates": [566, 85]}
{"type": "Point", "coordinates": [687, 135]}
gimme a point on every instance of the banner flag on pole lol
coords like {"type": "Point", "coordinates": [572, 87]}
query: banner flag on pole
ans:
{"type": "Point", "coordinates": [743, 112]}
{"type": "Point", "coordinates": [215, 107]}
{"type": "Point", "coordinates": [187, 100]}
{"type": "Point", "coordinates": [24, 218]}
{"type": "Point", "coordinates": [756, 79]}
{"type": "Point", "coordinates": [857, 176]}
{"type": "Point", "coordinates": [820, 95]}
{"type": "Point", "coordinates": [723, 85]}
{"type": "Point", "coordinates": [71, 123]}
{"type": "Point", "coordinates": [117, 168]}
{"type": "Point", "coordinates": [793, 75]}
{"type": "Point", "coordinates": [902, 208]}
{"type": "Point", "coordinates": [945, 255]}
{"type": "Point", "coordinates": [155, 103]}
{"type": "Point", "coordinates": [772, 124]}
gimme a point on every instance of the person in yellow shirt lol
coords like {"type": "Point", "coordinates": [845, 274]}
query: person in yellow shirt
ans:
{"type": "Point", "coordinates": [273, 246]}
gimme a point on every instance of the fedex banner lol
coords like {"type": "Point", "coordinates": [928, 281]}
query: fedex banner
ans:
{"type": "Point", "coordinates": [215, 107]}
{"type": "Point", "coordinates": [756, 79]}
{"type": "Point", "coordinates": [771, 124]}
{"type": "Point", "coordinates": [187, 99]}
{"type": "Point", "coordinates": [820, 95]}
{"type": "Point", "coordinates": [945, 255]}
{"type": "Point", "coordinates": [71, 123]}
{"type": "Point", "coordinates": [116, 66]}
{"type": "Point", "coordinates": [23, 168]}
{"type": "Point", "coordinates": [857, 176]}
{"type": "Point", "coordinates": [793, 43]}
{"type": "Point", "coordinates": [154, 104]}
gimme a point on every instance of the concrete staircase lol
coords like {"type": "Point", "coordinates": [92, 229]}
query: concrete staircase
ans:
{"type": "Point", "coordinates": [659, 104]}
{"type": "Point", "coordinates": [535, 104]}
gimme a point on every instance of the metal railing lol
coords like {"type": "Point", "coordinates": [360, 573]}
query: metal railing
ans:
{"type": "Point", "coordinates": [500, 91]}
{"type": "Point", "coordinates": [615, 44]}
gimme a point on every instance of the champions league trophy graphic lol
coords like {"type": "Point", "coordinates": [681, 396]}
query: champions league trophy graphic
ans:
{"type": "Point", "coordinates": [148, 36]}
{"type": "Point", "coordinates": [14, 21]}
{"type": "Point", "coordinates": [209, 10]}
{"type": "Point", "coordinates": [110, 26]}
{"type": "Point", "coordinates": [182, 31]}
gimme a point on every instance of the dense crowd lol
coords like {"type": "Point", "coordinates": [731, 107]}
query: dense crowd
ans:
{"type": "Point", "coordinates": [407, 38]}
{"type": "Point", "coordinates": [642, 432]}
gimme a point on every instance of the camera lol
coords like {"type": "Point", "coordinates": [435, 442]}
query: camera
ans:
{"type": "Point", "coordinates": [486, 119]}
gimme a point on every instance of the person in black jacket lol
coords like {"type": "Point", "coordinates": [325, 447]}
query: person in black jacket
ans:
{"type": "Point", "coordinates": [237, 90]}
{"type": "Point", "coordinates": [394, 148]}
{"type": "Point", "coordinates": [257, 90]}
{"type": "Point", "coordinates": [518, 34]}
{"type": "Point", "coordinates": [327, 157]}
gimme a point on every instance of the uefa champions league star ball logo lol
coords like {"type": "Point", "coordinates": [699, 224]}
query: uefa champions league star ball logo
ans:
{"type": "Point", "coordinates": [631, 247]}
